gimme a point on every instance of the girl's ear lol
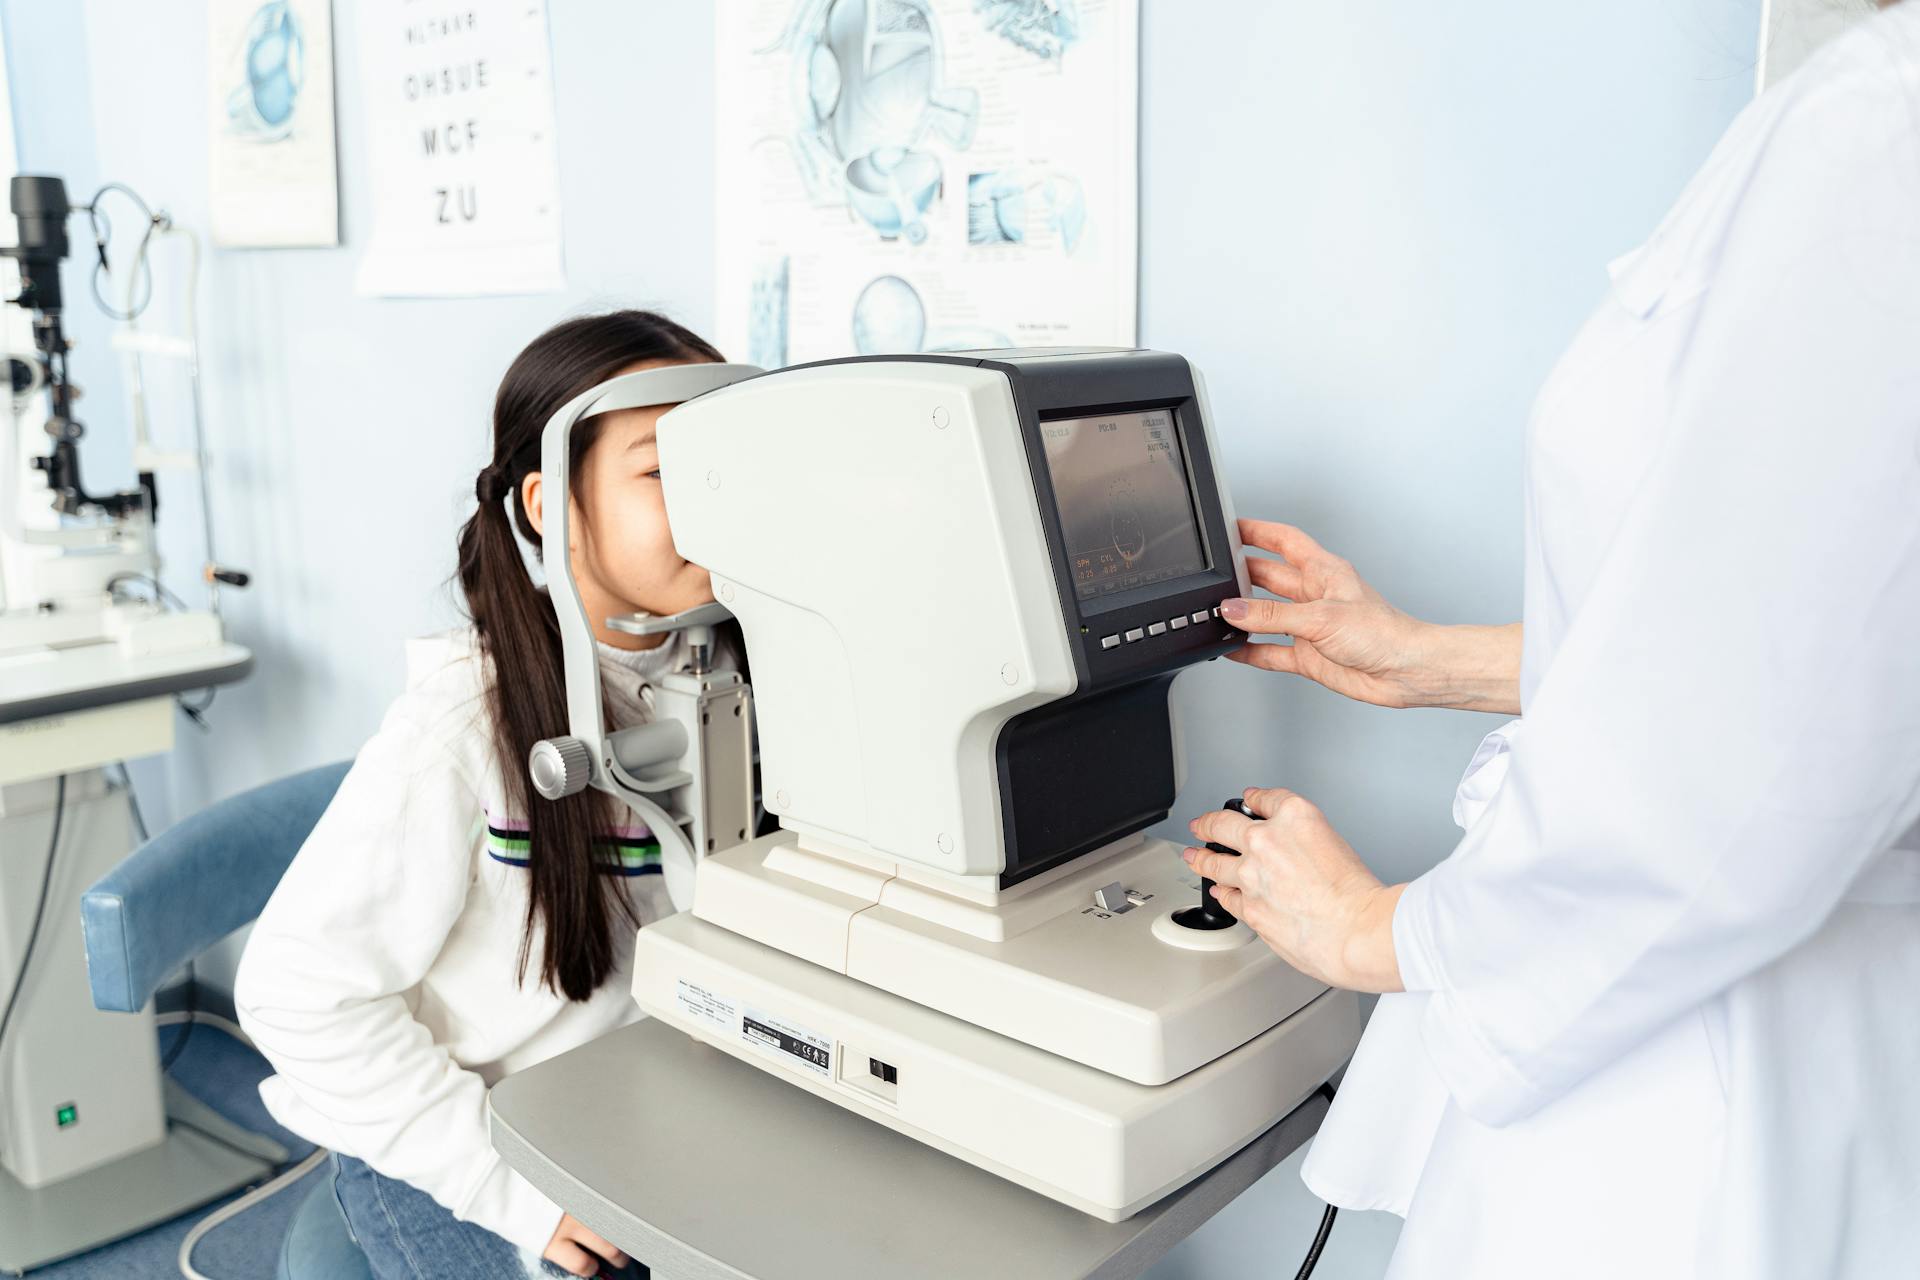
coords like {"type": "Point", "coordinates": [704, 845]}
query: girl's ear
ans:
{"type": "Point", "coordinates": [530, 490]}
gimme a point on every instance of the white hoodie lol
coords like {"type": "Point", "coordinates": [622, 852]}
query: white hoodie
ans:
{"type": "Point", "coordinates": [382, 981]}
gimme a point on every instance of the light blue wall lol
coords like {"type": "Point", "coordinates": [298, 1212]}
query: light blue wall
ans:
{"type": "Point", "coordinates": [346, 431]}
{"type": "Point", "coordinates": [1372, 224]}
{"type": "Point", "coordinates": [1376, 225]}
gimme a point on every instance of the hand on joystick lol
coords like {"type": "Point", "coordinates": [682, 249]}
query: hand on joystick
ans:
{"type": "Point", "coordinates": [1301, 888]}
{"type": "Point", "coordinates": [1212, 913]}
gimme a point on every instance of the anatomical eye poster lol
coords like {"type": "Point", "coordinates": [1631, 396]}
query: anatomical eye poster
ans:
{"type": "Point", "coordinates": [271, 174]}
{"type": "Point", "coordinates": [461, 154]}
{"type": "Point", "coordinates": [925, 175]}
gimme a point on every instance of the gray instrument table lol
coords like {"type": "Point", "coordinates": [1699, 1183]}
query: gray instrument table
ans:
{"type": "Point", "coordinates": [704, 1168]}
{"type": "Point", "coordinates": [51, 682]}
{"type": "Point", "coordinates": [203, 1156]}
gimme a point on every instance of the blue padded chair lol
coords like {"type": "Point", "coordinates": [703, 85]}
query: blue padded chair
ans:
{"type": "Point", "coordinates": [181, 892]}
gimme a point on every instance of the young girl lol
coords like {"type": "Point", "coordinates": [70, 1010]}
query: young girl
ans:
{"type": "Point", "coordinates": [442, 928]}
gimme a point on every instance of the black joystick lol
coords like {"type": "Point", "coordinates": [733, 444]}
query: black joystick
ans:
{"type": "Point", "coordinates": [1212, 913]}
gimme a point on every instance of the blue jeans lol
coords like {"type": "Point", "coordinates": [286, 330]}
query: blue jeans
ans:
{"type": "Point", "coordinates": [408, 1235]}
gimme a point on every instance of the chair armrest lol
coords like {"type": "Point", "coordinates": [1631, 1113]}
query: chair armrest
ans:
{"type": "Point", "coordinates": [194, 884]}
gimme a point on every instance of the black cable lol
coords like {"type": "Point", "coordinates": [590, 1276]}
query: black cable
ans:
{"type": "Point", "coordinates": [1312, 1259]}
{"type": "Point", "coordinates": [203, 704]}
{"type": "Point", "coordinates": [197, 711]}
{"type": "Point", "coordinates": [39, 909]}
{"type": "Point", "coordinates": [103, 232]}
{"type": "Point", "coordinates": [1319, 1244]}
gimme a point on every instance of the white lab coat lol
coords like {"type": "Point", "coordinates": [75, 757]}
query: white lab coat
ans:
{"type": "Point", "coordinates": [1663, 1015]}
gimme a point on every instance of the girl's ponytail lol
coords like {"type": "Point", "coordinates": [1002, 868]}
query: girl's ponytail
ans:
{"type": "Point", "coordinates": [571, 904]}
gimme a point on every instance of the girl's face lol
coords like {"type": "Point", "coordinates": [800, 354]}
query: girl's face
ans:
{"type": "Point", "coordinates": [622, 550]}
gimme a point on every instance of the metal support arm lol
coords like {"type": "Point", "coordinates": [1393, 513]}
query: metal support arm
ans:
{"type": "Point", "coordinates": [662, 766]}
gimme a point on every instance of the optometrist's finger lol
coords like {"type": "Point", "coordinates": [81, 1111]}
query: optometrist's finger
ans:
{"type": "Point", "coordinates": [1278, 802]}
{"type": "Point", "coordinates": [1276, 617]}
{"type": "Point", "coordinates": [1221, 868]}
{"type": "Point", "coordinates": [1289, 541]}
{"type": "Point", "coordinates": [1276, 576]}
{"type": "Point", "coordinates": [1268, 657]}
{"type": "Point", "coordinates": [1223, 826]}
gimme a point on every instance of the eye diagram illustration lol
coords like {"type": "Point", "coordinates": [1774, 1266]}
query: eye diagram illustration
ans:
{"type": "Point", "coordinates": [1003, 206]}
{"type": "Point", "coordinates": [1123, 517]}
{"type": "Point", "coordinates": [869, 94]}
{"type": "Point", "coordinates": [1043, 28]}
{"type": "Point", "coordinates": [767, 328]}
{"type": "Point", "coordinates": [890, 317]}
{"type": "Point", "coordinates": [272, 71]}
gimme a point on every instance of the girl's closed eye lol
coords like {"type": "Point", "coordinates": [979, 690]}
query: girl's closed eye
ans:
{"type": "Point", "coordinates": [644, 456]}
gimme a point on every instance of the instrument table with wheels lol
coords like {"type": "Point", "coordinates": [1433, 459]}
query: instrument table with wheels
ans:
{"type": "Point", "coordinates": [93, 1144]}
{"type": "Point", "coordinates": [703, 1167]}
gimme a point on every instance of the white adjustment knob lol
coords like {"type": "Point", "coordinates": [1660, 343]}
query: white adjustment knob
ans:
{"type": "Point", "coordinates": [560, 767]}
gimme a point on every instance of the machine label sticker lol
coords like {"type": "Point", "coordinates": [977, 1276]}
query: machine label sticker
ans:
{"type": "Point", "coordinates": [797, 1044]}
{"type": "Point", "coordinates": [708, 1007]}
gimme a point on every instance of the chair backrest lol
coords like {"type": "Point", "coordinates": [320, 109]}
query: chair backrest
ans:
{"type": "Point", "coordinates": [194, 883]}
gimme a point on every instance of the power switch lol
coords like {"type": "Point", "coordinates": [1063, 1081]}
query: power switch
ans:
{"type": "Point", "coordinates": [1112, 897]}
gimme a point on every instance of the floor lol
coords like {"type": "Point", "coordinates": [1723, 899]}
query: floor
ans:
{"type": "Point", "coordinates": [226, 1076]}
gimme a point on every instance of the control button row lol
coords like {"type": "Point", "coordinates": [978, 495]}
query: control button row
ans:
{"type": "Point", "coordinates": [1159, 628]}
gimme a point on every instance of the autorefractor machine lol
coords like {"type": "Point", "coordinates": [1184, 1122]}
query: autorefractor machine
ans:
{"type": "Point", "coordinates": [966, 584]}
{"type": "Point", "coordinates": [94, 1143]}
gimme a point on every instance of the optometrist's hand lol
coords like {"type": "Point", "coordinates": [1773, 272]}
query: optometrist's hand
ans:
{"type": "Point", "coordinates": [1348, 638]}
{"type": "Point", "coordinates": [1303, 889]}
{"type": "Point", "coordinates": [580, 1250]}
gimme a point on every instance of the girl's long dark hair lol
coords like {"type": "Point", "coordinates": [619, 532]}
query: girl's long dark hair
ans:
{"type": "Point", "coordinates": [571, 903]}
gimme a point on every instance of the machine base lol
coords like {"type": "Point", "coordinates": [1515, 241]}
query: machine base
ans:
{"type": "Point", "coordinates": [41, 1225]}
{"type": "Point", "coordinates": [1100, 1144]}
{"type": "Point", "coordinates": [1045, 964]}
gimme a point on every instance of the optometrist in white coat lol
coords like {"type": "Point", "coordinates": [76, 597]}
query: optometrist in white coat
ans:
{"type": "Point", "coordinates": [1658, 1015]}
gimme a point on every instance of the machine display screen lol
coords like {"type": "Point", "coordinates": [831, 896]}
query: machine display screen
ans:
{"type": "Point", "coordinates": [1126, 511]}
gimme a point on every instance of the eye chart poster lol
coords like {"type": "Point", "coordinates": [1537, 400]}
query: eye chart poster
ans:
{"type": "Point", "coordinates": [270, 155]}
{"type": "Point", "coordinates": [460, 121]}
{"type": "Point", "coordinates": [926, 175]}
